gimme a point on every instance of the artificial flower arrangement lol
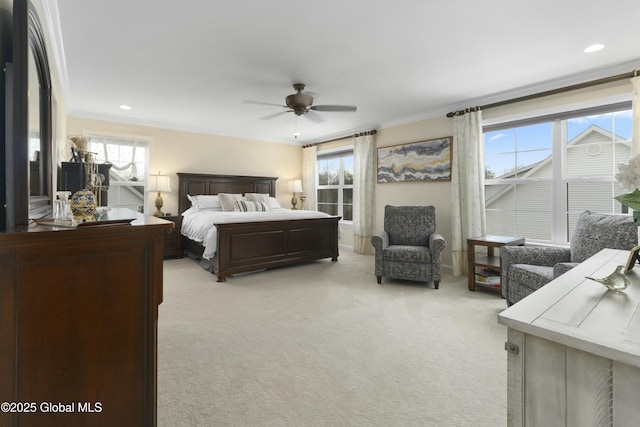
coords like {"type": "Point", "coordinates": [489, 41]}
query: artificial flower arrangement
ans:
{"type": "Point", "coordinates": [629, 176]}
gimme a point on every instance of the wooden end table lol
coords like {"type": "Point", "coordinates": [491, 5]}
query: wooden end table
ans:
{"type": "Point", "coordinates": [491, 261]}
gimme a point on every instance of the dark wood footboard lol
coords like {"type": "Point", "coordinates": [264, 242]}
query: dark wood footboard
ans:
{"type": "Point", "coordinates": [252, 246]}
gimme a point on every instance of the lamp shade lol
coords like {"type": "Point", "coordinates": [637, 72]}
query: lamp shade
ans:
{"type": "Point", "coordinates": [295, 186]}
{"type": "Point", "coordinates": [159, 183]}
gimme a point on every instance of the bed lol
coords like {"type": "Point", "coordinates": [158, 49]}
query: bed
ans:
{"type": "Point", "coordinates": [244, 246]}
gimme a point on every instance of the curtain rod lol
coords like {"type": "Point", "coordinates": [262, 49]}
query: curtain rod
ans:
{"type": "Point", "coordinates": [577, 86]}
{"type": "Point", "coordinates": [371, 132]}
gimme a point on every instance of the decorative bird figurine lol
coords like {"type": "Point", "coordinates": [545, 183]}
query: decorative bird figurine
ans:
{"type": "Point", "coordinates": [616, 281]}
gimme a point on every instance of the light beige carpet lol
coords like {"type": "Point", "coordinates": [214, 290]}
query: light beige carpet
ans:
{"type": "Point", "coordinates": [324, 345]}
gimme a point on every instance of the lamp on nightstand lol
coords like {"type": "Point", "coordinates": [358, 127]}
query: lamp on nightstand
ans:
{"type": "Point", "coordinates": [159, 183]}
{"type": "Point", "coordinates": [295, 186]}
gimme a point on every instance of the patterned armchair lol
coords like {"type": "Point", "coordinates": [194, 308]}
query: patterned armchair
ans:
{"type": "Point", "coordinates": [526, 269]}
{"type": "Point", "coordinates": [409, 248]}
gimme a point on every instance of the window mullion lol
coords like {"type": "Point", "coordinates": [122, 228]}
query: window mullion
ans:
{"type": "Point", "coordinates": [559, 207]}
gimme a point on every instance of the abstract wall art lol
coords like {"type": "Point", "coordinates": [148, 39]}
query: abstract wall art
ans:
{"type": "Point", "coordinates": [417, 161]}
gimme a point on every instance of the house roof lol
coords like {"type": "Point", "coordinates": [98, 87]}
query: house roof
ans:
{"type": "Point", "coordinates": [190, 65]}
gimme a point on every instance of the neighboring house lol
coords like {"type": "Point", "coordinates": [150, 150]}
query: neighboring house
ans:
{"type": "Point", "coordinates": [592, 150]}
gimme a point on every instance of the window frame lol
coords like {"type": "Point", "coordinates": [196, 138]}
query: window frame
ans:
{"type": "Point", "coordinates": [337, 153]}
{"type": "Point", "coordinates": [560, 179]}
{"type": "Point", "coordinates": [140, 141]}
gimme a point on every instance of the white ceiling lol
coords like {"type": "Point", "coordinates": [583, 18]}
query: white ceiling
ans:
{"type": "Point", "coordinates": [189, 65]}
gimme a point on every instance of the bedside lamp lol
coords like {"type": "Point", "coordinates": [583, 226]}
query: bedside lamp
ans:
{"type": "Point", "coordinates": [295, 186]}
{"type": "Point", "coordinates": [159, 183]}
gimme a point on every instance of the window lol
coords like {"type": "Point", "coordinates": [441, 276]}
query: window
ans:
{"type": "Point", "coordinates": [540, 174]}
{"type": "Point", "coordinates": [335, 184]}
{"type": "Point", "coordinates": [127, 178]}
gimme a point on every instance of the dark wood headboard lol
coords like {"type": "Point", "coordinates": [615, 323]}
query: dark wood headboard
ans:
{"type": "Point", "coordinates": [198, 183]}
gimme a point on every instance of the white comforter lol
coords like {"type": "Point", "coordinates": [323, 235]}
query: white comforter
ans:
{"type": "Point", "coordinates": [199, 225]}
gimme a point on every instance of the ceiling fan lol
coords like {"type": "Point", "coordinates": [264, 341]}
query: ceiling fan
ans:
{"type": "Point", "coordinates": [300, 103]}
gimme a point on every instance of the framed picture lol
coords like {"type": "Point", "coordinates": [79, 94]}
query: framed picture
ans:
{"type": "Point", "coordinates": [633, 257]}
{"type": "Point", "coordinates": [417, 161]}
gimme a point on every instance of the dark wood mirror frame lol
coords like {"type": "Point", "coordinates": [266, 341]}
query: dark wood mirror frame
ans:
{"type": "Point", "coordinates": [28, 38]}
{"type": "Point", "coordinates": [39, 52]}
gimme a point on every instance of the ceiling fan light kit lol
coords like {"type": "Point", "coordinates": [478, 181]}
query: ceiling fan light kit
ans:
{"type": "Point", "coordinates": [301, 103]}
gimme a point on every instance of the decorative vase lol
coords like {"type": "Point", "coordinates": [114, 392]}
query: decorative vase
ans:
{"type": "Point", "coordinates": [83, 205]}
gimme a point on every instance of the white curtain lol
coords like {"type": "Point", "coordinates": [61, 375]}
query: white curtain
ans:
{"type": "Point", "coordinates": [128, 156]}
{"type": "Point", "coordinates": [467, 182]}
{"type": "Point", "coordinates": [364, 181]}
{"type": "Point", "coordinates": [309, 177]}
{"type": "Point", "coordinates": [635, 120]}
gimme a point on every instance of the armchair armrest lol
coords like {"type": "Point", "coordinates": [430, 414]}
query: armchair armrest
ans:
{"type": "Point", "coordinates": [380, 241]}
{"type": "Point", "coordinates": [436, 244]}
{"type": "Point", "coordinates": [544, 256]}
{"type": "Point", "coordinates": [562, 267]}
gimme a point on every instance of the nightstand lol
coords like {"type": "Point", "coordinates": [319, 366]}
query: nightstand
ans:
{"type": "Point", "coordinates": [172, 241]}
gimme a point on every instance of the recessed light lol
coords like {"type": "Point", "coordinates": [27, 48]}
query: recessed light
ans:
{"type": "Point", "coordinates": [125, 107]}
{"type": "Point", "coordinates": [594, 48]}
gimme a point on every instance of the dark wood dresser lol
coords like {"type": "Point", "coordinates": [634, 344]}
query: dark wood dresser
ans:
{"type": "Point", "coordinates": [78, 322]}
{"type": "Point", "coordinates": [73, 177]}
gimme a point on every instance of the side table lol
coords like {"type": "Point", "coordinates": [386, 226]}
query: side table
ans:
{"type": "Point", "coordinates": [491, 261]}
{"type": "Point", "coordinates": [173, 240]}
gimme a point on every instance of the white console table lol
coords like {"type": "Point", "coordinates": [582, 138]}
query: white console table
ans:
{"type": "Point", "coordinates": [574, 350]}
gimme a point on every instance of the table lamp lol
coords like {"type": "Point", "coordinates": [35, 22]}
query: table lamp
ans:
{"type": "Point", "coordinates": [159, 183]}
{"type": "Point", "coordinates": [295, 186]}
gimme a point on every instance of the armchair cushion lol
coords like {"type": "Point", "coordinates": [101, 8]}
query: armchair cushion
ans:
{"type": "Point", "coordinates": [407, 254]}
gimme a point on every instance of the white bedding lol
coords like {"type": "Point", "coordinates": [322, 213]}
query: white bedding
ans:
{"type": "Point", "coordinates": [199, 225]}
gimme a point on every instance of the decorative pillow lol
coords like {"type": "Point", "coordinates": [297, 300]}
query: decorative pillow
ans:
{"type": "Point", "coordinates": [273, 203]}
{"type": "Point", "coordinates": [247, 206]}
{"type": "Point", "coordinates": [257, 197]}
{"type": "Point", "coordinates": [227, 200]}
{"type": "Point", "coordinates": [203, 202]}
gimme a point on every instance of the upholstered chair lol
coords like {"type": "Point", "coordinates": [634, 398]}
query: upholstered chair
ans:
{"type": "Point", "coordinates": [526, 269]}
{"type": "Point", "coordinates": [409, 247]}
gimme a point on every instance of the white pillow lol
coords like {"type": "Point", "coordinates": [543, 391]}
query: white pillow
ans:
{"type": "Point", "coordinates": [227, 200]}
{"type": "Point", "coordinates": [204, 202]}
{"type": "Point", "coordinates": [248, 206]}
{"type": "Point", "coordinates": [273, 203]}
{"type": "Point", "coordinates": [257, 197]}
{"type": "Point", "coordinates": [190, 211]}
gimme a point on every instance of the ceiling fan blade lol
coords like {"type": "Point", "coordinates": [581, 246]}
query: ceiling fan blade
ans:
{"type": "Point", "coordinates": [271, 116]}
{"type": "Point", "coordinates": [312, 115]}
{"type": "Point", "coordinates": [248, 101]}
{"type": "Point", "coordinates": [333, 108]}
